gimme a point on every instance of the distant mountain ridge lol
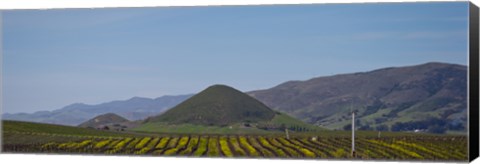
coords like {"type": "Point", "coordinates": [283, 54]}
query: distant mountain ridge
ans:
{"type": "Point", "coordinates": [416, 95]}
{"type": "Point", "coordinates": [382, 97]}
{"type": "Point", "coordinates": [135, 108]}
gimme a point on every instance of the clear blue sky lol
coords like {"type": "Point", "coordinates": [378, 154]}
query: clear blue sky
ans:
{"type": "Point", "coordinates": [52, 58]}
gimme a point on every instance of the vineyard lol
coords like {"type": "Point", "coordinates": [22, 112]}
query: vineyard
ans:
{"type": "Point", "coordinates": [442, 148]}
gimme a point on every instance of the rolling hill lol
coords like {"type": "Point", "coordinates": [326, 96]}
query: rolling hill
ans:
{"type": "Point", "coordinates": [222, 109]}
{"type": "Point", "coordinates": [110, 120]}
{"type": "Point", "coordinates": [217, 105]}
{"type": "Point", "coordinates": [413, 94]}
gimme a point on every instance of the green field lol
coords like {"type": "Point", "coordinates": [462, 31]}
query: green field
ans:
{"type": "Point", "coordinates": [18, 132]}
{"type": "Point", "coordinates": [19, 126]}
{"type": "Point", "coordinates": [401, 148]}
{"type": "Point", "coordinates": [23, 137]}
{"type": "Point", "coordinates": [278, 120]}
{"type": "Point", "coordinates": [190, 128]}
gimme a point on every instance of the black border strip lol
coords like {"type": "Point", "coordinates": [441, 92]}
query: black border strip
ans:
{"type": "Point", "coordinates": [473, 83]}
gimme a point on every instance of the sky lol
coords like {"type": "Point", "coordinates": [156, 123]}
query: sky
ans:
{"type": "Point", "coordinates": [53, 58]}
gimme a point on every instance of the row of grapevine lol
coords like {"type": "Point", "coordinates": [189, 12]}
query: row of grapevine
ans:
{"type": "Point", "coordinates": [202, 147]}
{"type": "Point", "coordinates": [224, 147]}
{"type": "Point", "coordinates": [236, 147]}
{"type": "Point", "coordinates": [255, 143]}
{"type": "Point", "coordinates": [192, 144]}
{"type": "Point", "coordinates": [147, 147]}
{"type": "Point", "coordinates": [407, 148]}
{"type": "Point", "coordinates": [249, 148]}
{"type": "Point", "coordinates": [213, 150]}
{"type": "Point", "coordinates": [266, 144]}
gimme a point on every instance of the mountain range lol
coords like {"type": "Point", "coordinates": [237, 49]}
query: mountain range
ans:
{"type": "Point", "coordinates": [136, 108]}
{"type": "Point", "coordinates": [381, 97]}
{"type": "Point", "coordinates": [418, 96]}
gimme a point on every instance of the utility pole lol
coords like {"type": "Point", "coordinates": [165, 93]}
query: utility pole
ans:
{"type": "Point", "coordinates": [286, 133]}
{"type": "Point", "coordinates": [353, 134]}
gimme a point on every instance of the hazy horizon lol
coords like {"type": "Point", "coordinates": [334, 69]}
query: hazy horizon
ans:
{"type": "Point", "coordinates": [53, 58]}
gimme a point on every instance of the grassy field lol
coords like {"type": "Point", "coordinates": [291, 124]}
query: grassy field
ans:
{"type": "Point", "coordinates": [19, 126]}
{"type": "Point", "coordinates": [26, 132]}
{"type": "Point", "coordinates": [195, 129]}
{"type": "Point", "coordinates": [198, 129]}
{"type": "Point", "coordinates": [279, 119]}
{"type": "Point", "coordinates": [282, 118]}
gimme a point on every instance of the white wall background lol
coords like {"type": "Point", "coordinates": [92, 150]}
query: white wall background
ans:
{"type": "Point", "coordinates": [74, 159]}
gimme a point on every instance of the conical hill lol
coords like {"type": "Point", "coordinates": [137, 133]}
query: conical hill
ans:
{"type": "Point", "coordinates": [218, 105]}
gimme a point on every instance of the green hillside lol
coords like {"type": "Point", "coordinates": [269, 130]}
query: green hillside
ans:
{"type": "Point", "coordinates": [430, 96]}
{"type": "Point", "coordinates": [218, 105]}
{"type": "Point", "coordinates": [289, 121]}
{"type": "Point", "coordinates": [109, 118]}
{"type": "Point", "coordinates": [220, 109]}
